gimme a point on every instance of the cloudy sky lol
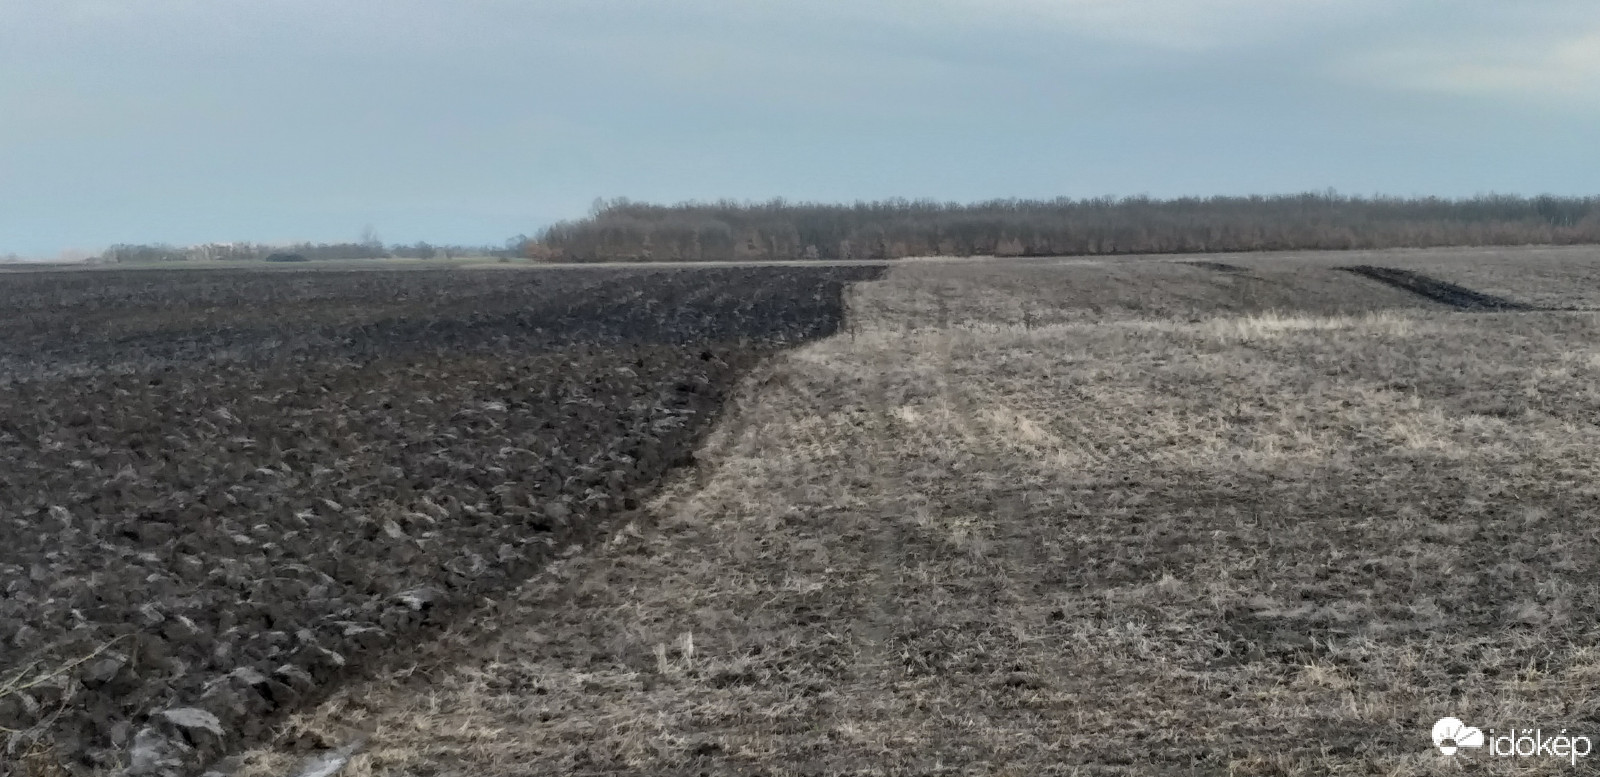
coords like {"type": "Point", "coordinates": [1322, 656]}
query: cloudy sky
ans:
{"type": "Point", "coordinates": [474, 120]}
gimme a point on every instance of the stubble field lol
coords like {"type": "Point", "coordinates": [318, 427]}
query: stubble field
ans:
{"type": "Point", "coordinates": [1252, 516]}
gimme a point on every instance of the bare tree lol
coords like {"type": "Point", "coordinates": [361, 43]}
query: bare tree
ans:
{"type": "Point", "coordinates": [620, 229]}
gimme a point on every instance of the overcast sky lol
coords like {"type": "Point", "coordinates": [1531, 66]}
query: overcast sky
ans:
{"type": "Point", "coordinates": [474, 120]}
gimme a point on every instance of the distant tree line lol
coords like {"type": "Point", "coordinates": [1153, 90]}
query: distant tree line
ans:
{"type": "Point", "coordinates": [726, 230]}
{"type": "Point", "coordinates": [161, 252]}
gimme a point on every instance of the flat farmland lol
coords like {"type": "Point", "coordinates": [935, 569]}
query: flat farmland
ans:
{"type": "Point", "coordinates": [1231, 515]}
{"type": "Point", "coordinates": [1248, 514]}
{"type": "Point", "coordinates": [224, 492]}
{"type": "Point", "coordinates": [1565, 277]}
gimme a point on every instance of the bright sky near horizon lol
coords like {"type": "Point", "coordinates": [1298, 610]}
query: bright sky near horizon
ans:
{"type": "Point", "coordinates": [470, 121]}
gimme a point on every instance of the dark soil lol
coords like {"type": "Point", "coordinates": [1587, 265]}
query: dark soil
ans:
{"type": "Point", "coordinates": [1218, 266]}
{"type": "Point", "coordinates": [226, 490]}
{"type": "Point", "coordinates": [1458, 297]}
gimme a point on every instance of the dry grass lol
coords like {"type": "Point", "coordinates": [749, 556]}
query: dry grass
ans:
{"type": "Point", "coordinates": [1040, 293]}
{"type": "Point", "coordinates": [1554, 277]}
{"type": "Point", "coordinates": [1568, 278]}
{"type": "Point", "coordinates": [1032, 522]}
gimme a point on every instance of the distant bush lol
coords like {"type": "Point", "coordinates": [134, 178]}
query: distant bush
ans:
{"type": "Point", "coordinates": [895, 228]}
{"type": "Point", "coordinates": [139, 254]}
{"type": "Point", "coordinates": [283, 257]}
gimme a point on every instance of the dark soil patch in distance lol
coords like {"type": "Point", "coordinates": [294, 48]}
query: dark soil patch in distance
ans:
{"type": "Point", "coordinates": [1445, 293]}
{"type": "Point", "coordinates": [224, 492]}
{"type": "Point", "coordinates": [1218, 266]}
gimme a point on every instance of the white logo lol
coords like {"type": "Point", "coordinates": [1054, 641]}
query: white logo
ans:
{"type": "Point", "coordinates": [1450, 734]}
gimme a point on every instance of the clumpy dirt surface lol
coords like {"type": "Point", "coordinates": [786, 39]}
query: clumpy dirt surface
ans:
{"type": "Point", "coordinates": [225, 491]}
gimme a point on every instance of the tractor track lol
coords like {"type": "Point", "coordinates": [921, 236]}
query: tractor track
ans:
{"type": "Point", "coordinates": [1218, 266]}
{"type": "Point", "coordinates": [1442, 292]}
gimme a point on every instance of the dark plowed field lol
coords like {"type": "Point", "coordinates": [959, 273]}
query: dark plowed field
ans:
{"type": "Point", "coordinates": [1458, 297]}
{"type": "Point", "coordinates": [220, 492]}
